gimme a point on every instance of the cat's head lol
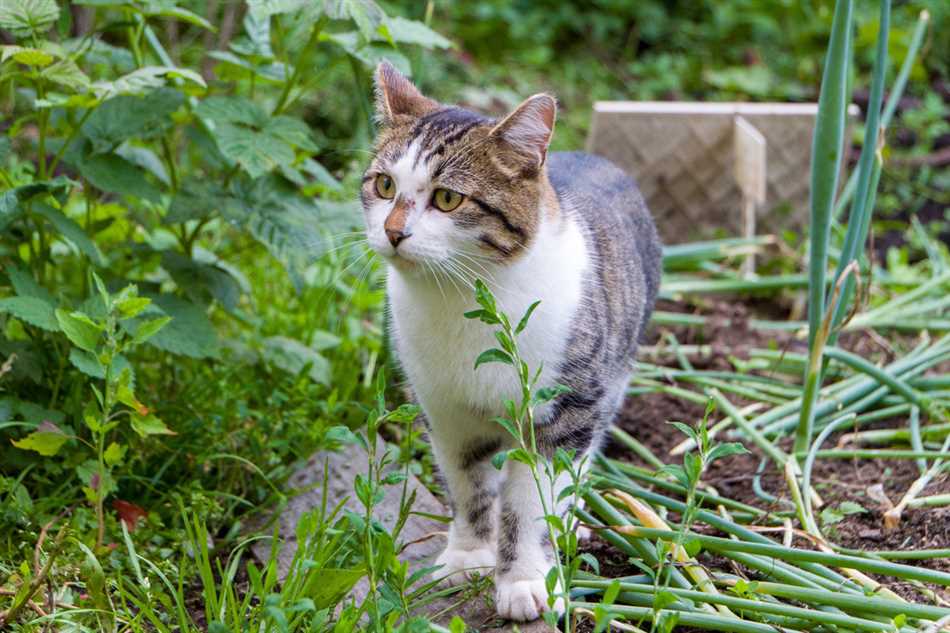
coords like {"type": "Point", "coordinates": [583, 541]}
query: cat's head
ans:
{"type": "Point", "coordinates": [449, 185]}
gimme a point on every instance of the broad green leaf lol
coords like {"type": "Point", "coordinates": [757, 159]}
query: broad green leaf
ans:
{"type": "Point", "coordinates": [71, 231]}
{"type": "Point", "coordinates": [168, 9]}
{"type": "Point", "coordinates": [112, 173]}
{"type": "Point", "coordinates": [221, 109]}
{"type": "Point", "coordinates": [146, 159]}
{"type": "Point", "coordinates": [46, 440]}
{"type": "Point", "coordinates": [24, 18]}
{"type": "Point", "coordinates": [366, 14]}
{"type": "Point", "coordinates": [493, 356]}
{"type": "Point", "coordinates": [257, 29]}
{"type": "Point", "coordinates": [369, 54]}
{"type": "Point", "coordinates": [330, 586]}
{"type": "Point", "coordinates": [266, 8]}
{"type": "Point", "coordinates": [33, 310]}
{"type": "Point", "coordinates": [114, 454]}
{"type": "Point", "coordinates": [149, 425]}
{"type": "Point", "coordinates": [148, 329]}
{"type": "Point", "coordinates": [144, 80]}
{"type": "Point", "coordinates": [412, 32]}
{"type": "Point", "coordinates": [292, 131]}
{"type": "Point", "coordinates": [292, 356]}
{"type": "Point", "coordinates": [257, 152]}
{"type": "Point", "coordinates": [126, 116]}
{"type": "Point", "coordinates": [195, 200]}
{"type": "Point", "coordinates": [189, 332]}
{"type": "Point", "coordinates": [724, 450]}
{"type": "Point", "coordinates": [89, 364]}
{"type": "Point", "coordinates": [202, 282]}
{"type": "Point", "coordinates": [79, 329]}
{"type": "Point", "coordinates": [12, 201]}
{"type": "Point", "coordinates": [26, 56]}
{"type": "Point", "coordinates": [25, 286]}
{"type": "Point", "coordinates": [67, 74]}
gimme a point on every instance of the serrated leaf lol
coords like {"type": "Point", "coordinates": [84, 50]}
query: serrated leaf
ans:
{"type": "Point", "coordinates": [146, 425]}
{"type": "Point", "coordinates": [114, 454]}
{"type": "Point", "coordinates": [257, 152]}
{"type": "Point", "coordinates": [202, 282]}
{"type": "Point", "coordinates": [292, 356]}
{"type": "Point", "coordinates": [71, 231]}
{"type": "Point", "coordinates": [25, 286]}
{"type": "Point", "coordinates": [46, 440]}
{"type": "Point", "coordinates": [33, 310]}
{"type": "Point", "coordinates": [195, 200]}
{"type": "Point", "coordinates": [257, 29]}
{"type": "Point", "coordinates": [12, 201]}
{"type": "Point", "coordinates": [266, 8]}
{"type": "Point", "coordinates": [366, 14]}
{"type": "Point", "coordinates": [493, 355]}
{"type": "Point", "coordinates": [66, 73]}
{"type": "Point", "coordinates": [112, 173]}
{"type": "Point", "coordinates": [406, 31]}
{"type": "Point", "coordinates": [143, 80]}
{"type": "Point", "coordinates": [24, 18]}
{"type": "Point", "coordinates": [292, 131]}
{"type": "Point", "coordinates": [189, 333]}
{"type": "Point", "coordinates": [89, 364]}
{"type": "Point", "coordinates": [221, 109]}
{"type": "Point", "coordinates": [26, 56]}
{"type": "Point", "coordinates": [126, 116]}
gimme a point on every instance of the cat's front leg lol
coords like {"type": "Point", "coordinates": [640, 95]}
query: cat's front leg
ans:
{"type": "Point", "coordinates": [464, 459]}
{"type": "Point", "coordinates": [524, 549]}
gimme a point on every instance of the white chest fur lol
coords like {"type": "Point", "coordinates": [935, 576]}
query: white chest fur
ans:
{"type": "Point", "coordinates": [437, 346]}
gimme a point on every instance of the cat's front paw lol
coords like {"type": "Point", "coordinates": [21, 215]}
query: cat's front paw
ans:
{"type": "Point", "coordinates": [524, 600]}
{"type": "Point", "coordinates": [459, 565]}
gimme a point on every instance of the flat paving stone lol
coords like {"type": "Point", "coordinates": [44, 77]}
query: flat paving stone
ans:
{"type": "Point", "coordinates": [424, 537]}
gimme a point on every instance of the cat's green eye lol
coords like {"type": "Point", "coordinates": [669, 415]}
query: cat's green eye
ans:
{"type": "Point", "coordinates": [446, 200]}
{"type": "Point", "coordinates": [385, 186]}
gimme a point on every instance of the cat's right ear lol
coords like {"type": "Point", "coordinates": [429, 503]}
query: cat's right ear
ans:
{"type": "Point", "coordinates": [396, 96]}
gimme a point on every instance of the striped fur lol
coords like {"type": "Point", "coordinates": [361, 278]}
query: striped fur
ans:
{"type": "Point", "coordinates": [568, 229]}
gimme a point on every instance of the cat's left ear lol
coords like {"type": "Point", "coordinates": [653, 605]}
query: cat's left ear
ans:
{"type": "Point", "coordinates": [396, 96]}
{"type": "Point", "coordinates": [529, 128]}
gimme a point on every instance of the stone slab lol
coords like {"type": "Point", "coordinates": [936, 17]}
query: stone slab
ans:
{"type": "Point", "coordinates": [425, 537]}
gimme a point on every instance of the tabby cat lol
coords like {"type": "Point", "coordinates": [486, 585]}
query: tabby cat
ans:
{"type": "Point", "coordinates": [451, 196]}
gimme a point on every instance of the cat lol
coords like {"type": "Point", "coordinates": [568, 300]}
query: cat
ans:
{"type": "Point", "coordinates": [450, 196]}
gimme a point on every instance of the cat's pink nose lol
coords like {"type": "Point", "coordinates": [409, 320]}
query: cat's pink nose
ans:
{"type": "Point", "coordinates": [396, 236]}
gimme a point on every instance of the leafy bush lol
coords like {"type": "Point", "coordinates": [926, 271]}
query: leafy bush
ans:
{"type": "Point", "coordinates": [134, 187]}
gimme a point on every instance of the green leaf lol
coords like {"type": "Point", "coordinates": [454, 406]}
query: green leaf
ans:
{"type": "Point", "coordinates": [413, 32]}
{"type": "Point", "coordinates": [202, 282]}
{"type": "Point", "coordinates": [547, 394]}
{"type": "Point", "coordinates": [46, 440]}
{"type": "Point", "coordinates": [144, 80]}
{"type": "Point", "coordinates": [612, 591]}
{"type": "Point", "coordinates": [257, 152]}
{"type": "Point", "coordinates": [95, 579]}
{"type": "Point", "coordinates": [687, 430]}
{"type": "Point", "coordinates": [189, 333]}
{"type": "Point", "coordinates": [12, 201]}
{"type": "Point", "coordinates": [114, 454]}
{"type": "Point", "coordinates": [146, 425]}
{"type": "Point", "coordinates": [167, 9]}
{"type": "Point", "coordinates": [126, 116]}
{"type": "Point", "coordinates": [79, 329]}
{"type": "Point", "coordinates": [293, 356]}
{"type": "Point", "coordinates": [26, 56]}
{"type": "Point", "coordinates": [33, 310]}
{"type": "Point", "coordinates": [330, 586]}
{"type": "Point", "coordinates": [112, 173]}
{"type": "Point", "coordinates": [89, 364]}
{"type": "Point", "coordinates": [66, 73]}
{"type": "Point", "coordinates": [725, 450]}
{"type": "Point", "coordinates": [69, 229]}
{"type": "Point", "coordinates": [148, 329]}
{"type": "Point", "coordinates": [493, 355]}
{"type": "Point", "coordinates": [292, 131]}
{"type": "Point", "coordinates": [25, 286]}
{"type": "Point", "coordinates": [24, 18]}
{"type": "Point", "coordinates": [527, 315]}
{"type": "Point", "coordinates": [195, 200]}
{"type": "Point", "coordinates": [366, 14]}
{"type": "Point", "coordinates": [498, 459]}
{"type": "Point", "coordinates": [369, 54]}
{"type": "Point", "coordinates": [266, 8]}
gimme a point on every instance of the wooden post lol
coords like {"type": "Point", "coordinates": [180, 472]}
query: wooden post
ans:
{"type": "Point", "coordinates": [749, 146]}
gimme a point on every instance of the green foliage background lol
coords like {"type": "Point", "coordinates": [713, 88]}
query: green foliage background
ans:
{"type": "Point", "coordinates": [196, 163]}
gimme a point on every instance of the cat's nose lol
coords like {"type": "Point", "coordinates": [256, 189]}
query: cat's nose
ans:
{"type": "Point", "coordinates": [396, 236]}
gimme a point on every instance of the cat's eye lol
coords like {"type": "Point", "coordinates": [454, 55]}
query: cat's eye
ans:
{"type": "Point", "coordinates": [446, 200]}
{"type": "Point", "coordinates": [385, 186]}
